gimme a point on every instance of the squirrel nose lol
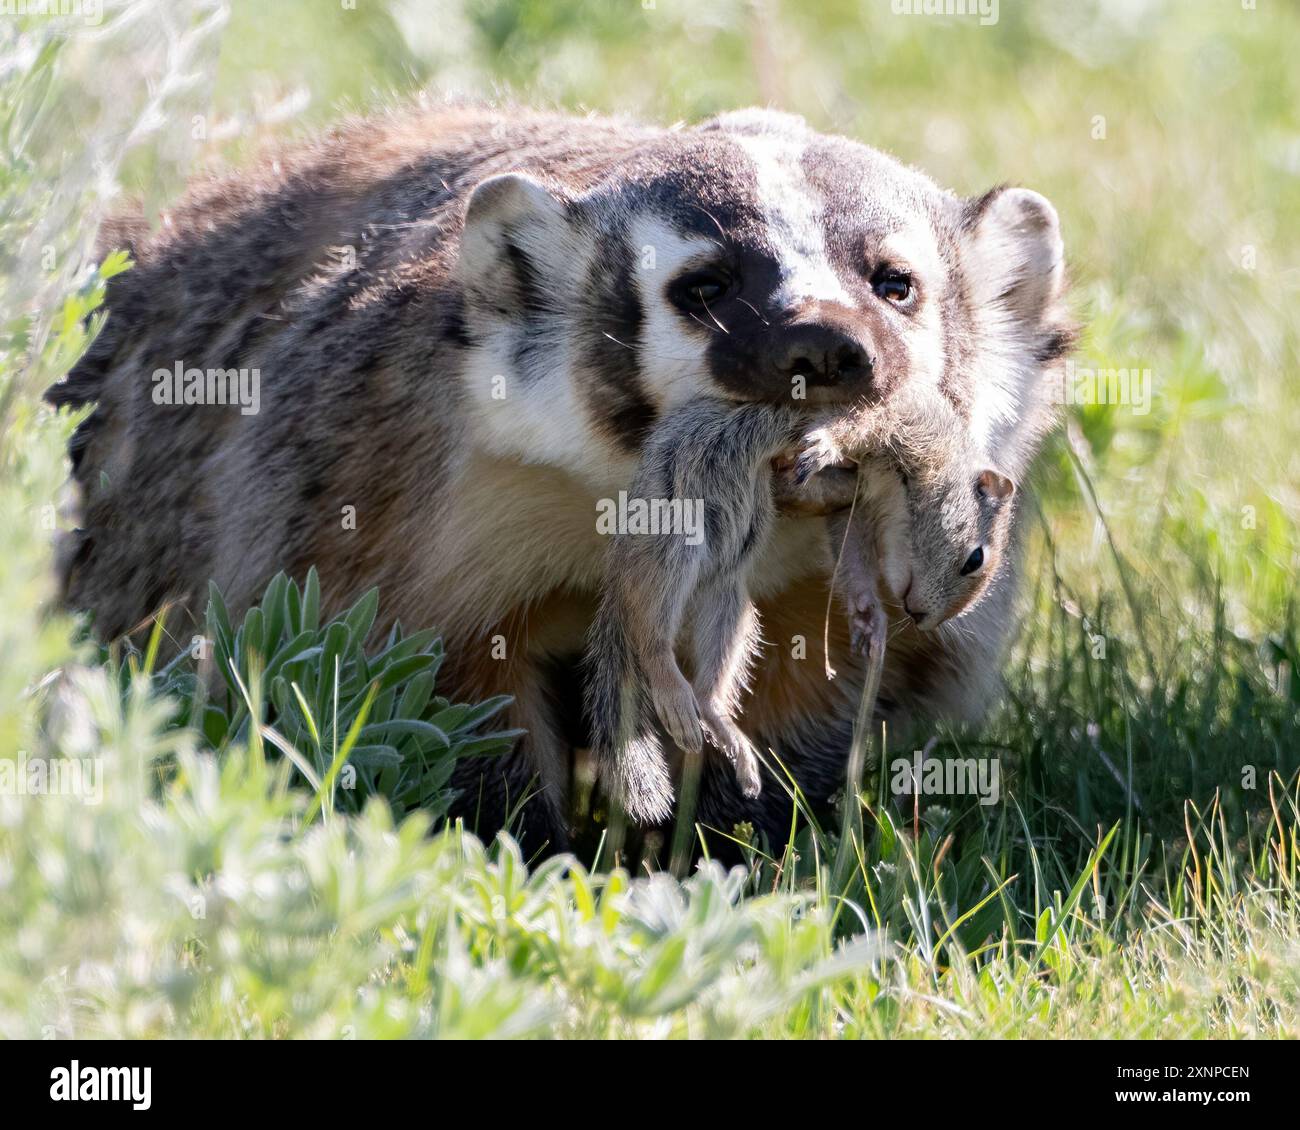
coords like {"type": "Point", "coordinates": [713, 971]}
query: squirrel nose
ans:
{"type": "Point", "coordinates": [823, 355]}
{"type": "Point", "coordinates": [918, 617]}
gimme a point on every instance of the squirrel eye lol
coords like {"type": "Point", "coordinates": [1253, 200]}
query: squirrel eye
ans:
{"type": "Point", "coordinates": [973, 562]}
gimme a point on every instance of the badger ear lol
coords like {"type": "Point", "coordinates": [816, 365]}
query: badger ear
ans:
{"type": "Point", "coordinates": [1012, 254]}
{"type": "Point", "coordinates": [516, 234]}
{"type": "Point", "coordinates": [995, 485]}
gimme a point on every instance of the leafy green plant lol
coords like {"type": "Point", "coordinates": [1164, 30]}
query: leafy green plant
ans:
{"type": "Point", "coordinates": [353, 723]}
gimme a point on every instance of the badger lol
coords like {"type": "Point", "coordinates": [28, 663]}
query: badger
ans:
{"type": "Point", "coordinates": [466, 321]}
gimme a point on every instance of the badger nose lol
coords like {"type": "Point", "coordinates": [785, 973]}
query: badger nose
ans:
{"type": "Point", "coordinates": [823, 355]}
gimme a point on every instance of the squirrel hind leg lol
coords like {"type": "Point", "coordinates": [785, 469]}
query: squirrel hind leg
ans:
{"type": "Point", "coordinates": [674, 702]}
{"type": "Point", "coordinates": [731, 740]}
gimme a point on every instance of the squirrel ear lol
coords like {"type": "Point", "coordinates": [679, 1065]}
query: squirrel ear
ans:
{"type": "Point", "coordinates": [994, 484]}
{"type": "Point", "coordinates": [1013, 255]}
{"type": "Point", "coordinates": [516, 234]}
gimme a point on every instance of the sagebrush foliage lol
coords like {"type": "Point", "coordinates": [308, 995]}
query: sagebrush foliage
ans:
{"type": "Point", "coordinates": [354, 719]}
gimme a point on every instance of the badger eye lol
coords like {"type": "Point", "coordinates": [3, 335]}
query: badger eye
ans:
{"type": "Point", "coordinates": [894, 286]}
{"type": "Point", "coordinates": [973, 562]}
{"type": "Point", "coordinates": [699, 289]}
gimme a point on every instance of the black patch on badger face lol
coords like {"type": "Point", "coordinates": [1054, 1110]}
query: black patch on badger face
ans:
{"type": "Point", "coordinates": [799, 226]}
{"type": "Point", "coordinates": [609, 333]}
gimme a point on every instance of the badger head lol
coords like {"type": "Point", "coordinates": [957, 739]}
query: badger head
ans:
{"type": "Point", "coordinates": [753, 259]}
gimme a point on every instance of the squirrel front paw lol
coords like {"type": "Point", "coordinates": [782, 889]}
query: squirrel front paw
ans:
{"type": "Point", "coordinates": [868, 624]}
{"type": "Point", "coordinates": [813, 477]}
{"type": "Point", "coordinates": [815, 452]}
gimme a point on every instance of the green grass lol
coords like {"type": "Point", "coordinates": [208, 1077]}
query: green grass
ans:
{"type": "Point", "coordinates": [1138, 876]}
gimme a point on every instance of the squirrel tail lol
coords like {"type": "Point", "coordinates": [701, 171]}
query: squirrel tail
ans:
{"type": "Point", "coordinates": [629, 755]}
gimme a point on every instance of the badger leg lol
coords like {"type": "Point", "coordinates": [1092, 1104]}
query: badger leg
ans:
{"type": "Point", "coordinates": [525, 790]}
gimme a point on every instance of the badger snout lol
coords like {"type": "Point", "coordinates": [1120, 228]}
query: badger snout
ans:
{"type": "Point", "coordinates": [832, 358]}
{"type": "Point", "coordinates": [825, 355]}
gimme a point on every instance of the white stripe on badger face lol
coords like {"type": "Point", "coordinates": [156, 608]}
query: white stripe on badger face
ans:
{"type": "Point", "coordinates": [536, 414]}
{"type": "Point", "coordinates": [1000, 378]}
{"type": "Point", "coordinates": [913, 248]}
{"type": "Point", "coordinates": [671, 353]}
{"type": "Point", "coordinates": [1003, 372]}
{"type": "Point", "coordinates": [536, 421]}
{"type": "Point", "coordinates": [531, 414]}
{"type": "Point", "coordinates": [793, 214]}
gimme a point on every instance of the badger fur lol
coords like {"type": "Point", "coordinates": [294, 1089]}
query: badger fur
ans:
{"type": "Point", "coordinates": [466, 321]}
